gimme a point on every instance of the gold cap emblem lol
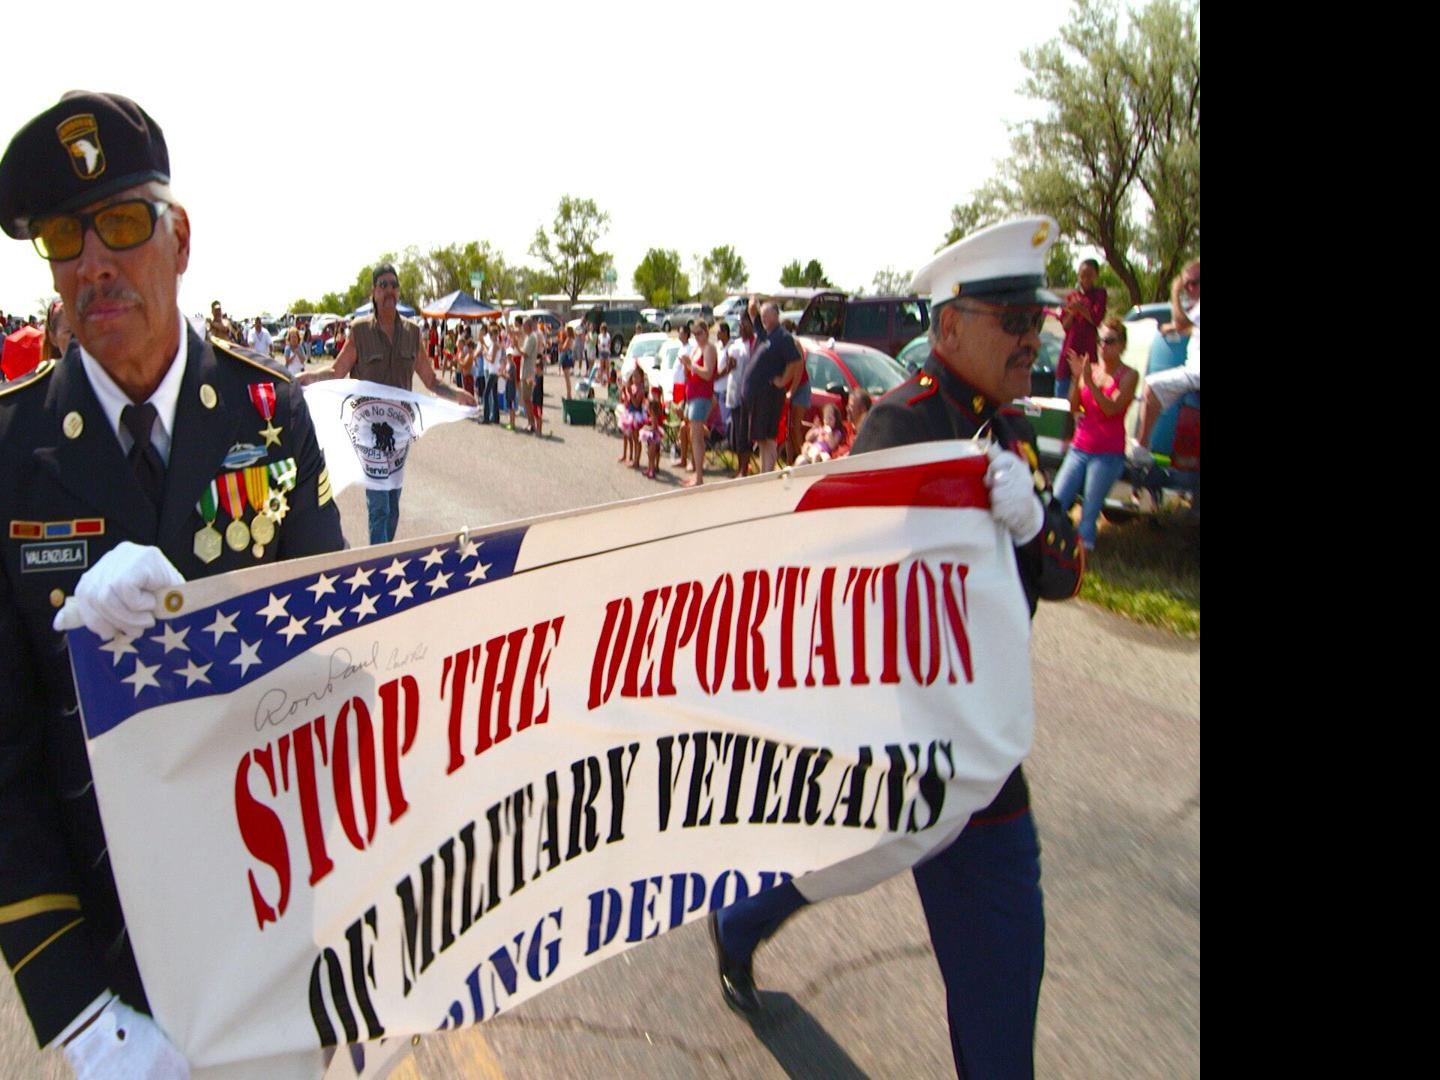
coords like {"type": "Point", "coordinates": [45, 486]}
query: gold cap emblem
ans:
{"type": "Point", "coordinates": [73, 425]}
{"type": "Point", "coordinates": [81, 138]}
{"type": "Point", "coordinates": [1041, 234]}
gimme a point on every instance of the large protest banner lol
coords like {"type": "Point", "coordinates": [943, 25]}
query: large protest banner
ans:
{"type": "Point", "coordinates": [402, 788]}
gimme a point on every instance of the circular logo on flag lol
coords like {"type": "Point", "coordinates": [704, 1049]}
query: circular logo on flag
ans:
{"type": "Point", "coordinates": [380, 431]}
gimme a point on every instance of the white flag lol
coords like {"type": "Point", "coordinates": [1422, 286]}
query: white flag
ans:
{"type": "Point", "coordinates": [365, 429]}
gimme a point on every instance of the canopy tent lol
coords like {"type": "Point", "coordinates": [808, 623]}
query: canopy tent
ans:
{"type": "Point", "coordinates": [21, 351]}
{"type": "Point", "coordinates": [459, 305]}
{"type": "Point", "coordinates": [368, 308]}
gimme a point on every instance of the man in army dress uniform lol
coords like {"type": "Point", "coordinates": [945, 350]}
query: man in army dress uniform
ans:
{"type": "Point", "coordinates": [145, 456]}
{"type": "Point", "coordinates": [981, 894]}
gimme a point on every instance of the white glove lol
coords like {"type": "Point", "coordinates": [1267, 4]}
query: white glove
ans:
{"type": "Point", "coordinates": [117, 595]}
{"type": "Point", "coordinates": [121, 1044]}
{"type": "Point", "coordinates": [1139, 456]}
{"type": "Point", "coordinates": [1013, 501]}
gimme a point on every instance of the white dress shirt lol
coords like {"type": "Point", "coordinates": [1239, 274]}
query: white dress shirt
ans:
{"type": "Point", "coordinates": [165, 398]}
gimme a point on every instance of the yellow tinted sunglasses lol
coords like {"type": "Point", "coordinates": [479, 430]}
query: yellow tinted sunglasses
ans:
{"type": "Point", "coordinates": [121, 225]}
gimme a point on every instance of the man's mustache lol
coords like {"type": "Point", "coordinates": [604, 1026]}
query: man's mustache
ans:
{"type": "Point", "coordinates": [92, 294]}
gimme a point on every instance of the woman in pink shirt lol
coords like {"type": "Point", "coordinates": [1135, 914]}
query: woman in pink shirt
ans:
{"type": "Point", "coordinates": [1100, 393]}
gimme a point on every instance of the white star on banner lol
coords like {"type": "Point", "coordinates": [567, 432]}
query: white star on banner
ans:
{"type": "Point", "coordinates": [293, 629]}
{"type": "Point", "coordinates": [194, 673]}
{"type": "Point", "coordinates": [173, 638]}
{"type": "Point", "coordinates": [117, 647]}
{"type": "Point", "coordinates": [331, 619]}
{"type": "Point", "coordinates": [435, 557]}
{"type": "Point", "coordinates": [395, 569]}
{"type": "Point", "coordinates": [142, 676]}
{"type": "Point", "coordinates": [359, 580]}
{"type": "Point", "coordinates": [365, 607]}
{"type": "Point", "coordinates": [324, 585]}
{"type": "Point", "coordinates": [248, 656]}
{"type": "Point", "coordinates": [223, 624]}
{"type": "Point", "coordinates": [275, 609]}
{"type": "Point", "coordinates": [469, 548]}
{"type": "Point", "coordinates": [404, 591]}
{"type": "Point", "coordinates": [478, 571]}
{"type": "Point", "coordinates": [438, 582]}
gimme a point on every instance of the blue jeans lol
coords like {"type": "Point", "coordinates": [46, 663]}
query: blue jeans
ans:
{"type": "Point", "coordinates": [384, 507]}
{"type": "Point", "coordinates": [491, 400]}
{"type": "Point", "coordinates": [1062, 387]}
{"type": "Point", "coordinates": [1096, 474]}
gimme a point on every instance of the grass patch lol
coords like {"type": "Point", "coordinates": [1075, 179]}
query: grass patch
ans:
{"type": "Point", "coordinates": [1148, 570]}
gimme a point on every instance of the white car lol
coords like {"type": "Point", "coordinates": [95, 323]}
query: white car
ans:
{"type": "Point", "coordinates": [644, 349]}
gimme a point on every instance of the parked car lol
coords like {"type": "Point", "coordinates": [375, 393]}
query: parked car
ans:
{"type": "Point", "coordinates": [623, 323]}
{"type": "Point", "coordinates": [684, 313]}
{"type": "Point", "coordinates": [882, 322]}
{"type": "Point", "coordinates": [836, 368]}
{"type": "Point", "coordinates": [644, 350]}
{"type": "Point", "coordinates": [653, 316]}
{"type": "Point", "coordinates": [731, 305]}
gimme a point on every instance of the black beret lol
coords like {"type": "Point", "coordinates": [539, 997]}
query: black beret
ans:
{"type": "Point", "coordinates": [83, 148]}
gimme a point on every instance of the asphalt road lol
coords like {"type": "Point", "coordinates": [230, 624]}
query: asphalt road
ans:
{"type": "Point", "coordinates": [851, 986]}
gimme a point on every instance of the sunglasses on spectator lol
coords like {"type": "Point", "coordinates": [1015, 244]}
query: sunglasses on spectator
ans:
{"type": "Point", "coordinates": [1111, 340]}
{"type": "Point", "coordinates": [120, 226]}
{"type": "Point", "coordinates": [387, 283]}
{"type": "Point", "coordinates": [1017, 321]}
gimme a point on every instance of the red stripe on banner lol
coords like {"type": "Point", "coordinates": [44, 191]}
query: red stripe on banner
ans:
{"type": "Point", "coordinates": [955, 483]}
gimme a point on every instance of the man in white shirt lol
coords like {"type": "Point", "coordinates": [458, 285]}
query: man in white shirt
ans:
{"type": "Point", "coordinates": [738, 358]}
{"type": "Point", "coordinates": [260, 339]}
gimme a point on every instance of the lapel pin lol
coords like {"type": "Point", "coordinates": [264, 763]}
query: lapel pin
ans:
{"type": "Point", "coordinates": [73, 425]}
{"type": "Point", "coordinates": [207, 396]}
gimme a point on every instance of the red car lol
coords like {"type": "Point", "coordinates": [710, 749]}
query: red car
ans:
{"type": "Point", "coordinates": [838, 368]}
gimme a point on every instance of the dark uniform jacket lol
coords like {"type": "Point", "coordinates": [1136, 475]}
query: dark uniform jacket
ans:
{"type": "Point", "coordinates": [61, 466]}
{"type": "Point", "coordinates": [935, 403]}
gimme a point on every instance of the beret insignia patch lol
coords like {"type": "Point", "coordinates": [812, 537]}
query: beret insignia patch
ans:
{"type": "Point", "coordinates": [80, 136]}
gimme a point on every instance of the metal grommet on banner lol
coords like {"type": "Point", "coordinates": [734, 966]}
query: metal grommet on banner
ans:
{"type": "Point", "coordinates": [414, 1040]}
{"type": "Point", "coordinates": [174, 602]}
{"type": "Point", "coordinates": [462, 538]}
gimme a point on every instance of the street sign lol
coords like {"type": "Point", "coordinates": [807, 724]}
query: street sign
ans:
{"type": "Point", "coordinates": [477, 278]}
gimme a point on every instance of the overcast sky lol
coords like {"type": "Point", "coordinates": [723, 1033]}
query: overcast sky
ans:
{"type": "Point", "coordinates": [305, 140]}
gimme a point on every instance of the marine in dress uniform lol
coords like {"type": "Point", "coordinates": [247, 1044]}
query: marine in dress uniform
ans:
{"type": "Point", "coordinates": [981, 894]}
{"type": "Point", "coordinates": [244, 483]}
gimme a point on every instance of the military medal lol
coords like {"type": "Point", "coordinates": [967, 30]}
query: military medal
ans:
{"type": "Point", "coordinates": [207, 540]}
{"type": "Point", "coordinates": [232, 498]}
{"type": "Point", "coordinates": [257, 489]}
{"type": "Point", "coordinates": [282, 479]}
{"type": "Point", "coordinates": [262, 396]}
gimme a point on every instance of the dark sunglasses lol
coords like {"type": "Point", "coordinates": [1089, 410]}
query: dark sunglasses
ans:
{"type": "Point", "coordinates": [1016, 321]}
{"type": "Point", "coordinates": [120, 226]}
{"type": "Point", "coordinates": [387, 284]}
{"type": "Point", "coordinates": [1111, 340]}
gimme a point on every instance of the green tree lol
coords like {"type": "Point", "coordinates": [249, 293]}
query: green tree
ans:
{"type": "Point", "coordinates": [814, 276]}
{"type": "Point", "coordinates": [570, 252]}
{"type": "Point", "coordinates": [1061, 267]}
{"type": "Point", "coordinates": [889, 282]}
{"type": "Point", "coordinates": [302, 307]}
{"type": "Point", "coordinates": [659, 273]}
{"type": "Point", "coordinates": [991, 203]}
{"type": "Point", "coordinates": [1116, 159]}
{"type": "Point", "coordinates": [721, 272]}
{"type": "Point", "coordinates": [792, 275]}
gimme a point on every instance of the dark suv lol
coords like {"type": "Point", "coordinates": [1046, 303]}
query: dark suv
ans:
{"type": "Point", "coordinates": [623, 323]}
{"type": "Point", "coordinates": [882, 322]}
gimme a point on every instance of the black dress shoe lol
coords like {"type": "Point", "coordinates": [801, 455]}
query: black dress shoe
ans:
{"type": "Point", "coordinates": [737, 984]}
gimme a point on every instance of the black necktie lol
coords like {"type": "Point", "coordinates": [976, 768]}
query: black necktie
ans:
{"type": "Point", "coordinates": [145, 461]}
